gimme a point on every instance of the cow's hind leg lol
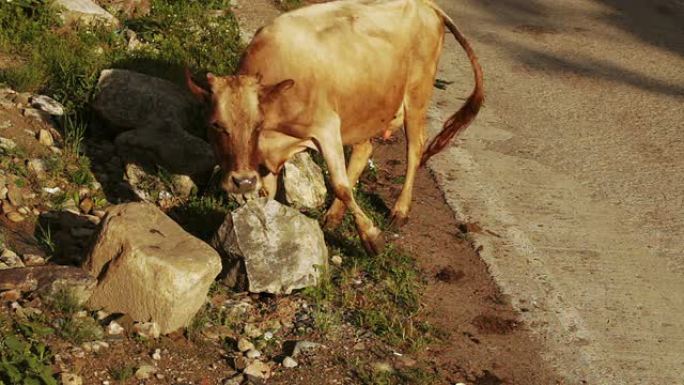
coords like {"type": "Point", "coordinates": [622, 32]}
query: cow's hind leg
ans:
{"type": "Point", "coordinates": [357, 163]}
{"type": "Point", "coordinates": [329, 141]}
{"type": "Point", "coordinates": [414, 127]}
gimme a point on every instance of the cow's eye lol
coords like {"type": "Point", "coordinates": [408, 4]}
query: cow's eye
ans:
{"type": "Point", "coordinates": [216, 127]}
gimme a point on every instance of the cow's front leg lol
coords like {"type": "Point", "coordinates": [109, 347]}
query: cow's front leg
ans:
{"type": "Point", "coordinates": [357, 163]}
{"type": "Point", "coordinates": [329, 142]}
{"type": "Point", "coordinates": [269, 185]}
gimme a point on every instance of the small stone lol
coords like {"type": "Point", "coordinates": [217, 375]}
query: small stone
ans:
{"type": "Point", "coordinates": [3, 192]}
{"type": "Point", "coordinates": [304, 347]}
{"type": "Point", "coordinates": [252, 331]}
{"type": "Point", "coordinates": [86, 205]}
{"type": "Point", "coordinates": [33, 260]}
{"type": "Point", "coordinates": [35, 211]}
{"type": "Point", "coordinates": [268, 336]}
{"type": "Point", "coordinates": [37, 166]}
{"type": "Point", "coordinates": [47, 104]}
{"type": "Point", "coordinates": [101, 314]}
{"type": "Point", "coordinates": [159, 376]}
{"type": "Point", "coordinates": [70, 379]}
{"type": "Point", "coordinates": [114, 329]}
{"type": "Point", "coordinates": [99, 213]}
{"type": "Point", "coordinates": [244, 345]}
{"type": "Point", "coordinates": [45, 138]}
{"type": "Point", "coordinates": [14, 195]}
{"type": "Point", "coordinates": [24, 210]}
{"type": "Point", "coordinates": [336, 260]}
{"type": "Point", "coordinates": [289, 362]}
{"type": "Point", "coordinates": [156, 355]}
{"type": "Point", "coordinates": [253, 353]}
{"type": "Point", "coordinates": [257, 371]}
{"type": "Point", "coordinates": [10, 296]}
{"type": "Point", "coordinates": [10, 260]}
{"type": "Point", "coordinates": [235, 380]}
{"type": "Point", "coordinates": [238, 363]}
{"type": "Point", "coordinates": [148, 330]}
{"type": "Point", "coordinates": [144, 372]}
{"type": "Point", "coordinates": [359, 346]}
{"type": "Point", "coordinates": [52, 190]}
{"type": "Point", "coordinates": [55, 150]}
{"type": "Point", "coordinates": [7, 144]}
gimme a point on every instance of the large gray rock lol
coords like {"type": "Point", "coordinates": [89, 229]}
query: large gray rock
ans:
{"type": "Point", "coordinates": [272, 248]}
{"type": "Point", "coordinates": [149, 268]}
{"type": "Point", "coordinates": [303, 182]}
{"type": "Point", "coordinates": [128, 100]}
{"type": "Point", "coordinates": [173, 149]}
{"type": "Point", "coordinates": [85, 11]}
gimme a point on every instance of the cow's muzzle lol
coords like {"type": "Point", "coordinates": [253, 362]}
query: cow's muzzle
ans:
{"type": "Point", "coordinates": [241, 183]}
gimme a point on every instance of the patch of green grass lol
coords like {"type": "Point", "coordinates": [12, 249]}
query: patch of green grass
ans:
{"type": "Point", "coordinates": [79, 173]}
{"type": "Point", "coordinates": [64, 301]}
{"type": "Point", "coordinates": [202, 215]}
{"type": "Point", "coordinates": [80, 329]}
{"type": "Point", "coordinates": [44, 238]}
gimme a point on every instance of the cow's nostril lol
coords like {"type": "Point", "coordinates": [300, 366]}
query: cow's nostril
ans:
{"type": "Point", "coordinates": [237, 181]}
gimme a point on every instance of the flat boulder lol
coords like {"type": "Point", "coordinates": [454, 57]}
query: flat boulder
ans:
{"type": "Point", "coordinates": [303, 183]}
{"type": "Point", "coordinates": [149, 268]}
{"type": "Point", "coordinates": [85, 11]}
{"type": "Point", "coordinates": [49, 281]}
{"type": "Point", "coordinates": [128, 100]}
{"type": "Point", "coordinates": [272, 248]}
{"type": "Point", "coordinates": [169, 148]}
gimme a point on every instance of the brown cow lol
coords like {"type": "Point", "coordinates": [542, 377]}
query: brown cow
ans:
{"type": "Point", "coordinates": [330, 75]}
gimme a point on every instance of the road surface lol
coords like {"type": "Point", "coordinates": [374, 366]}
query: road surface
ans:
{"type": "Point", "coordinates": [575, 167]}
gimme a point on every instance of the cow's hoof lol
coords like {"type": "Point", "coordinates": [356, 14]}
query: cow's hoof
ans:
{"type": "Point", "coordinates": [373, 241]}
{"type": "Point", "coordinates": [398, 220]}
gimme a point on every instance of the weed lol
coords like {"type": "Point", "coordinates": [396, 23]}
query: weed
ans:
{"type": "Point", "coordinates": [74, 133]}
{"type": "Point", "coordinates": [80, 329]}
{"type": "Point", "coordinates": [64, 301]}
{"type": "Point", "coordinates": [80, 173]}
{"type": "Point", "coordinates": [202, 215]}
{"type": "Point", "coordinates": [44, 238]}
{"type": "Point", "coordinates": [24, 362]}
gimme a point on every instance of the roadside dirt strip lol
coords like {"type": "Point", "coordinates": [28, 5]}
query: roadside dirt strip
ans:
{"type": "Point", "coordinates": [575, 171]}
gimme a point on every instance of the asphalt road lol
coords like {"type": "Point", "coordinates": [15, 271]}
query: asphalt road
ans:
{"type": "Point", "coordinates": [575, 169]}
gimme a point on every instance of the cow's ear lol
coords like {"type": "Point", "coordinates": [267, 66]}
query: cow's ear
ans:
{"type": "Point", "coordinates": [200, 93]}
{"type": "Point", "coordinates": [273, 91]}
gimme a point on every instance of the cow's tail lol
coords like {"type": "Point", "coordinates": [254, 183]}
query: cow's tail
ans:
{"type": "Point", "coordinates": [464, 116]}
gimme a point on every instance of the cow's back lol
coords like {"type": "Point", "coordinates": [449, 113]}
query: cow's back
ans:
{"type": "Point", "coordinates": [351, 56]}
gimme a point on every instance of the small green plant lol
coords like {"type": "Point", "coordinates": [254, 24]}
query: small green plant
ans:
{"type": "Point", "coordinates": [44, 238]}
{"type": "Point", "coordinates": [64, 301]}
{"type": "Point", "coordinates": [80, 329]}
{"type": "Point", "coordinates": [74, 133]}
{"type": "Point", "coordinates": [23, 359]}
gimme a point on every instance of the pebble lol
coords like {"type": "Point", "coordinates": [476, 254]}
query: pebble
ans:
{"type": "Point", "coordinates": [22, 98]}
{"type": "Point", "coordinates": [244, 345]}
{"type": "Point", "coordinates": [94, 346]}
{"type": "Point", "coordinates": [252, 331]}
{"type": "Point", "coordinates": [144, 372]}
{"type": "Point", "coordinates": [156, 355]}
{"type": "Point", "coordinates": [7, 144]}
{"type": "Point", "coordinates": [3, 192]}
{"type": "Point", "coordinates": [14, 195]}
{"type": "Point", "coordinates": [47, 104]}
{"type": "Point", "coordinates": [86, 205]}
{"type": "Point", "coordinates": [336, 260]}
{"type": "Point", "coordinates": [114, 329]}
{"type": "Point", "coordinates": [257, 371]}
{"type": "Point", "coordinates": [253, 353]}
{"type": "Point", "coordinates": [9, 295]}
{"type": "Point", "coordinates": [37, 166]}
{"type": "Point", "coordinates": [70, 379]}
{"type": "Point", "coordinates": [24, 210]}
{"type": "Point", "coordinates": [147, 330]}
{"type": "Point", "coordinates": [15, 217]}
{"type": "Point", "coordinates": [52, 190]}
{"type": "Point", "coordinates": [10, 259]}
{"type": "Point", "coordinates": [45, 138]}
{"type": "Point", "coordinates": [33, 260]}
{"type": "Point", "coordinates": [101, 314]}
{"type": "Point", "coordinates": [289, 362]}
{"type": "Point", "coordinates": [268, 336]}
{"type": "Point", "coordinates": [382, 367]}
{"type": "Point", "coordinates": [304, 347]}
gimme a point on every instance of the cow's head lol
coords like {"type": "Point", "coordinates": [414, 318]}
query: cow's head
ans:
{"type": "Point", "coordinates": [236, 120]}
